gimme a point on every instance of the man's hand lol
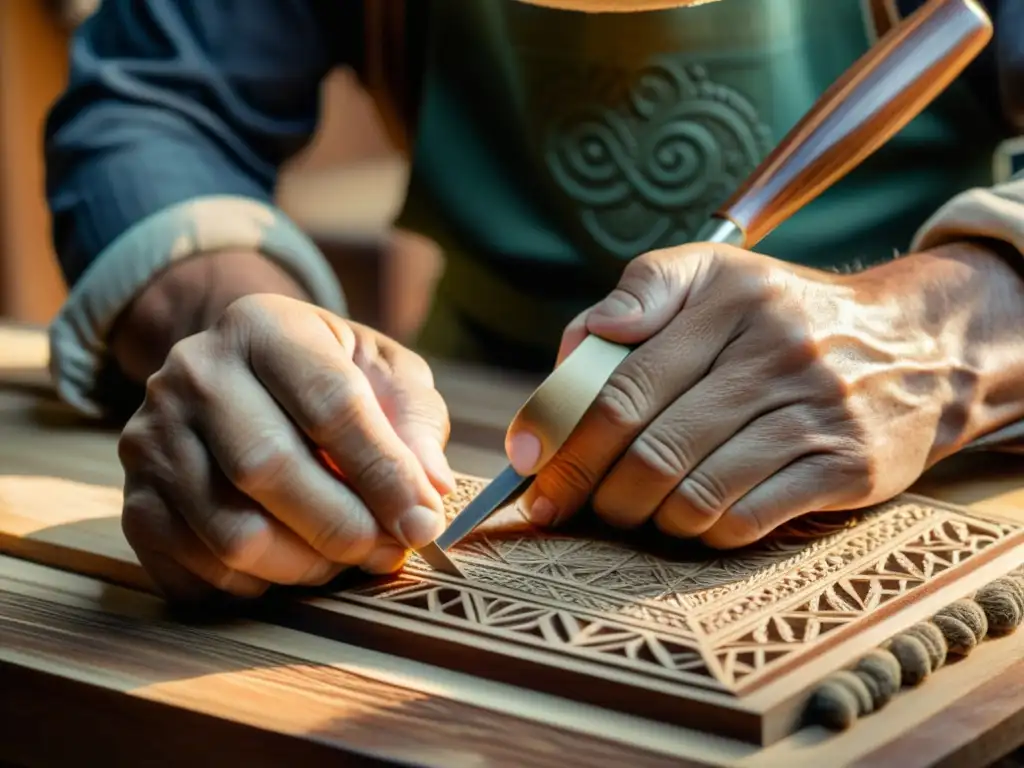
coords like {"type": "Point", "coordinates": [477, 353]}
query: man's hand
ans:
{"type": "Point", "coordinates": [761, 391]}
{"type": "Point", "coordinates": [279, 446]}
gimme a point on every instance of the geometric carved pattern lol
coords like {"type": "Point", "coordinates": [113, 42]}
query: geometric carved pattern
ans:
{"type": "Point", "coordinates": [685, 614]}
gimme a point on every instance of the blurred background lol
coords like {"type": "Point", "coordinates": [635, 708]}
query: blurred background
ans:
{"type": "Point", "coordinates": [344, 190]}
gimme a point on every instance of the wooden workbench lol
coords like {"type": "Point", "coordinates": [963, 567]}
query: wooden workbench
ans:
{"type": "Point", "coordinates": [91, 673]}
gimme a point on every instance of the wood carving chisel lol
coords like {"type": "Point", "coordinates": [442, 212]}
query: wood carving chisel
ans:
{"type": "Point", "coordinates": [882, 92]}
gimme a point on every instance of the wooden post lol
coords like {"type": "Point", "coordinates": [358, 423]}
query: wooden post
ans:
{"type": "Point", "coordinates": [33, 69]}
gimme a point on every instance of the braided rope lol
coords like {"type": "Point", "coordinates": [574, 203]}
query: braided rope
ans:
{"type": "Point", "coordinates": [906, 660]}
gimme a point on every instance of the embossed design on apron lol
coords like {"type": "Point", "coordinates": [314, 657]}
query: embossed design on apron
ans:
{"type": "Point", "coordinates": [647, 171]}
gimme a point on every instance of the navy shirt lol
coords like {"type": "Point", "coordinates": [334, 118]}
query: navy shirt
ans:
{"type": "Point", "coordinates": [169, 100]}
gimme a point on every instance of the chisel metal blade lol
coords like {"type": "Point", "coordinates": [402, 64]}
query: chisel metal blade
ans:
{"type": "Point", "coordinates": [502, 490]}
{"type": "Point", "coordinates": [438, 560]}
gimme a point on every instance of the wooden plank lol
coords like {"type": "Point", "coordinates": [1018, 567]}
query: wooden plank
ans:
{"type": "Point", "coordinates": [113, 652]}
{"type": "Point", "coordinates": [117, 650]}
{"type": "Point", "coordinates": [732, 644]}
{"type": "Point", "coordinates": [935, 724]}
{"type": "Point", "coordinates": [948, 739]}
{"type": "Point", "coordinates": [41, 437]}
{"type": "Point", "coordinates": [33, 69]}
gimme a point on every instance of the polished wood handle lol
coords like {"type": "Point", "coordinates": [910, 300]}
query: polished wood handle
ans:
{"type": "Point", "coordinates": [882, 92]}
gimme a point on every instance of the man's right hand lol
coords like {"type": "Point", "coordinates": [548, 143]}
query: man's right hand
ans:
{"type": "Point", "coordinates": [279, 446]}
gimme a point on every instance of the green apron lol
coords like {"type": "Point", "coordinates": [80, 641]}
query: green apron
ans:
{"type": "Point", "coordinates": [553, 146]}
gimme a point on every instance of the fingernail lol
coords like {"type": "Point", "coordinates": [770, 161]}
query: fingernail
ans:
{"type": "Point", "coordinates": [385, 560]}
{"type": "Point", "coordinates": [617, 307]}
{"type": "Point", "coordinates": [419, 526]}
{"type": "Point", "coordinates": [523, 451]}
{"type": "Point", "coordinates": [543, 512]}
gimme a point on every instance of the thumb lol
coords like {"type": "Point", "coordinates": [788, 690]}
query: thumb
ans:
{"type": "Point", "coordinates": [573, 335]}
{"type": "Point", "coordinates": [420, 418]}
{"type": "Point", "coordinates": [652, 290]}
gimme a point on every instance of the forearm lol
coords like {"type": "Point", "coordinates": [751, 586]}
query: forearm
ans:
{"type": "Point", "coordinates": [186, 299]}
{"type": "Point", "coordinates": [165, 147]}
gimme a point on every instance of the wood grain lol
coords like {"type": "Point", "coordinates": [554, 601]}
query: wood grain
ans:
{"type": "Point", "coordinates": [33, 70]}
{"type": "Point", "coordinates": [730, 644]}
{"type": "Point", "coordinates": [246, 696]}
{"type": "Point", "coordinates": [113, 652]}
{"type": "Point", "coordinates": [40, 437]}
{"type": "Point", "coordinates": [948, 738]}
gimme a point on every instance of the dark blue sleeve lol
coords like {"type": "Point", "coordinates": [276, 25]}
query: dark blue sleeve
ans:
{"type": "Point", "coordinates": [169, 100]}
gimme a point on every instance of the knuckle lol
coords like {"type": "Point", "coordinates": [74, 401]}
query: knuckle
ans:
{"type": "Point", "coordinates": [429, 409]}
{"type": "Point", "coordinates": [860, 474]}
{"type": "Point", "coordinates": [641, 277]}
{"type": "Point", "coordinates": [568, 472]}
{"type": "Point", "coordinates": [644, 268]}
{"type": "Point", "coordinates": [789, 339]}
{"type": "Point", "coordinates": [433, 405]}
{"type": "Point", "coordinates": [261, 464]}
{"type": "Point", "coordinates": [836, 390]}
{"type": "Point", "coordinates": [417, 367]}
{"type": "Point", "coordinates": [329, 404]}
{"type": "Point", "coordinates": [755, 286]}
{"type": "Point", "coordinates": [134, 444]}
{"type": "Point", "coordinates": [828, 431]}
{"type": "Point", "coordinates": [796, 342]}
{"type": "Point", "coordinates": [703, 495]}
{"type": "Point", "coordinates": [137, 520]}
{"type": "Point", "coordinates": [160, 391]}
{"type": "Point", "coordinates": [661, 455]}
{"type": "Point", "coordinates": [238, 539]}
{"type": "Point", "coordinates": [381, 472]}
{"type": "Point", "coordinates": [188, 369]}
{"type": "Point", "coordinates": [344, 539]}
{"type": "Point", "coordinates": [236, 584]}
{"type": "Point", "coordinates": [625, 399]}
{"type": "Point", "coordinates": [738, 528]}
{"type": "Point", "coordinates": [243, 310]}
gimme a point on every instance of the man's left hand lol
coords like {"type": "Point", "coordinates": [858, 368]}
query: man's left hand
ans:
{"type": "Point", "coordinates": [758, 391]}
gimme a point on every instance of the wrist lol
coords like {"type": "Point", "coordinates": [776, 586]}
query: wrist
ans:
{"type": "Point", "coordinates": [965, 303]}
{"type": "Point", "coordinates": [187, 298]}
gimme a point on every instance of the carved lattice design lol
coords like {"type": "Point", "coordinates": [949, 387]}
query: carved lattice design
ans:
{"type": "Point", "coordinates": [692, 616]}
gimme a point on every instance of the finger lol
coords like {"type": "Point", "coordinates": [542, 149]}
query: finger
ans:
{"type": "Point", "coordinates": [175, 582]}
{"type": "Point", "coordinates": [239, 532]}
{"type": "Point", "coordinates": [171, 553]}
{"type": "Point", "coordinates": [388, 556]}
{"type": "Point", "coordinates": [808, 485]}
{"type": "Point", "coordinates": [404, 386]}
{"type": "Point", "coordinates": [306, 368]}
{"type": "Point", "coordinates": [653, 289]}
{"type": "Point", "coordinates": [711, 414]}
{"type": "Point", "coordinates": [651, 378]}
{"type": "Point", "coordinates": [262, 454]}
{"type": "Point", "coordinates": [759, 451]}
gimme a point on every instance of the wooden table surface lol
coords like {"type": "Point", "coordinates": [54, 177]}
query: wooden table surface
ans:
{"type": "Point", "coordinates": [92, 673]}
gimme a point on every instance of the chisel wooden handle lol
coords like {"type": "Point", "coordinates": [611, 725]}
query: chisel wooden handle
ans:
{"type": "Point", "coordinates": [882, 92]}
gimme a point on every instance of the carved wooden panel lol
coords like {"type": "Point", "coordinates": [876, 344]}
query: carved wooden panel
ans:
{"type": "Point", "coordinates": [727, 642]}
